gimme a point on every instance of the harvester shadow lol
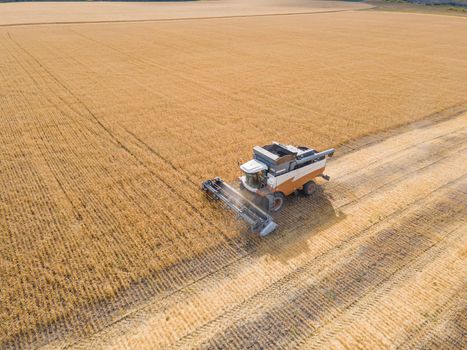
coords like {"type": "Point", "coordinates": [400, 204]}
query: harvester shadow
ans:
{"type": "Point", "coordinates": [301, 218]}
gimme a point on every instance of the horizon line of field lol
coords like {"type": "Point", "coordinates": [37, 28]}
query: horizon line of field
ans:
{"type": "Point", "coordinates": [155, 20]}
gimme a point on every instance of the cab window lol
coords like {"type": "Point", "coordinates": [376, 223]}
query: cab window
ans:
{"type": "Point", "coordinates": [255, 180]}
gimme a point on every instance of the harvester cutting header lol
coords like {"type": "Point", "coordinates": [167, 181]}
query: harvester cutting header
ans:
{"type": "Point", "coordinates": [275, 172]}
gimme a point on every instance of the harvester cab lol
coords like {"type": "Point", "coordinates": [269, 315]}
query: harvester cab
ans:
{"type": "Point", "coordinates": [275, 172]}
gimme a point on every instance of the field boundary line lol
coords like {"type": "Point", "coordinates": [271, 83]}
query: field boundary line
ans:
{"type": "Point", "coordinates": [434, 118]}
{"type": "Point", "coordinates": [155, 20]}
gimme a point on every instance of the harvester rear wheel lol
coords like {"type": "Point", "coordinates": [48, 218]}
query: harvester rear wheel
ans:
{"type": "Point", "coordinates": [309, 188]}
{"type": "Point", "coordinates": [275, 202]}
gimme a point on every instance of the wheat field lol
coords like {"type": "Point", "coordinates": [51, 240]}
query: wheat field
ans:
{"type": "Point", "coordinates": [108, 130]}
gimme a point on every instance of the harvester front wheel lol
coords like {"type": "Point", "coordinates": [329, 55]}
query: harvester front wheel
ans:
{"type": "Point", "coordinates": [309, 188]}
{"type": "Point", "coordinates": [275, 202]}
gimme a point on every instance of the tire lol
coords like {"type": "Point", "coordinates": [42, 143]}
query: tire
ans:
{"type": "Point", "coordinates": [275, 202]}
{"type": "Point", "coordinates": [309, 188]}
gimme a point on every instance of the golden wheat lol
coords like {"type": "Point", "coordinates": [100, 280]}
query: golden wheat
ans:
{"type": "Point", "coordinates": [108, 130]}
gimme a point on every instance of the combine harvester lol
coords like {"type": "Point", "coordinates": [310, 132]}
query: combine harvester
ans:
{"type": "Point", "coordinates": [275, 172]}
